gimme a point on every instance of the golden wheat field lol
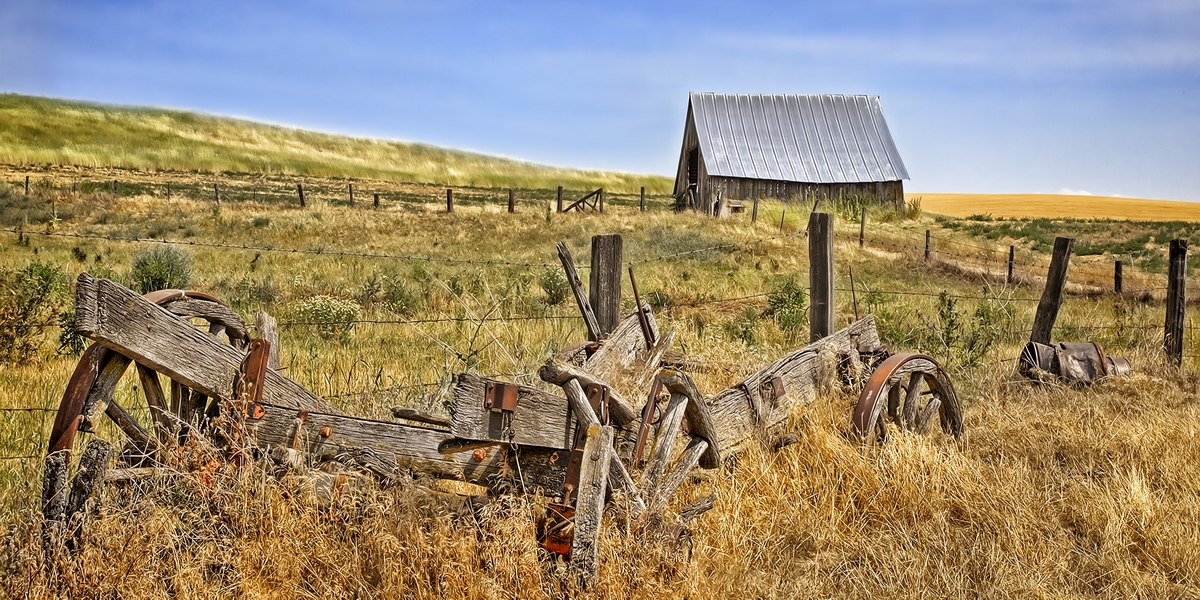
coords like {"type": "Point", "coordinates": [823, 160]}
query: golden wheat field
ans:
{"type": "Point", "coordinates": [1055, 492]}
{"type": "Point", "coordinates": [1058, 206]}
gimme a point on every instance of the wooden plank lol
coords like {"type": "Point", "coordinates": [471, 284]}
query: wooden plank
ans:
{"type": "Point", "coordinates": [619, 476]}
{"type": "Point", "coordinates": [698, 417]}
{"type": "Point", "coordinates": [92, 467]}
{"type": "Point", "coordinates": [820, 275]}
{"type": "Point", "coordinates": [268, 329]}
{"type": "Point", "coordinates": [407, 447]}
{"type": "Point", "coordinates": [123, 321]}
{"type": "Point", "coordinates": [731, 409]}
{"type": "Point", "coordinates": [541, 418]}
{"type": "Point", "coordinates": [1047, 310]}
{"type": "Point", "coordinates": [412, 414]}
{"type": "Point", "coordinates": [687, 461]}
{"type": "Point", "coordinates": [604, 288]}
{"type": "Point", "coordinates": [1176, 301]}
{"type": "Point", "coordinates": [664, 441]}
{"type": "Point", "coordinates": [623, 360]}
{"type": "Point", "coordinates": [152, 390]}
{"type": "Point", "coordinates": [559, 373]}
{"type": "Point", "coordinates": [581, 298]}
{"type": "Point", "coordinates": [54, 486]}
{"type": "Point", "coordinates": [589, 506]}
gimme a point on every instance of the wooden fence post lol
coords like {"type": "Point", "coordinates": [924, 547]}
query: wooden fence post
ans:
{"type": "Point", "coordinates": [926, 245]}
{"type": "Point", "coordinates": [642, 202]}
{"type": "Point", "coordinates": [754, 212]}
{"type": "Point", "coordinates": [1047, 310]}
{"type": "Point", "coordinates": [604, 289]}
{"type": "Point", "coordinates": [116, 187]}
{"type": "Point", "coordinates": [300, 192]}
{"type": "Point", "coordinates": [27, 185]}
{"type": "Point", "coordinates": [512, 201]}
{"type": "Point", "coordinates": [449, 200]}
{"type": "Point", "coordinates": [862, 228]}
{"type": "Point", "coordinates": [1117, 277]}
{"type": "Point", "coordinates": [602, 201]}
{"type": "Point", "coordinates": [559, 199]}
{"type": "Point", "coordinates": [217, 194]}
{"type": "Point", "coordinates": [376, 200]}
{"type": "Point", "coordinates": [351, 188]}
{"type": "Point", "coordinates": [820, 275]}
{"type": "Point", "coordinates": [1012, 254]}
{"type": "Point", "coordinates": [1176, 301]}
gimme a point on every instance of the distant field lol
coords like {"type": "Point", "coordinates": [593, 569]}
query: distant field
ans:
{"type": "Point", "coordinates": [42, 131]}
{"type": "Point", "coordinates": [1058, 206]}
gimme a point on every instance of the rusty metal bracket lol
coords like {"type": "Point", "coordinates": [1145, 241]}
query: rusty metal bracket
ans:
{"type": "Point", "coordinates": [251, 377]}
{"type": "Point", "coordinates": [644, 429]}
{"type": "Point", "coordinates": [500, 396]}
{"type": "Point", "coordinates": [775, 387]}
{"type": "Point", "coordinates": [643, 318]}
{"type": "Point", "coordinates": [598, 396]}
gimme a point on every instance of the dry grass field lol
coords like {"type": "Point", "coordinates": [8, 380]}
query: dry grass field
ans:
{"type": "Point", "coordinates": [1056, 492]}
{"type": "Point", "coordinates": [1058, 206]}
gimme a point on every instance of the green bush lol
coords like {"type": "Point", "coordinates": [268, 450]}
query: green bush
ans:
{"type": "Point", "coordinates": [161, 267]}
{"type": "Point", "coordinates": [30, 301]}
{"type": "Point", "coordinates": [329, 316]}
{"type": "Point", "coordinates": [743, 327]}
{"type": "Point", "coordinates": [556, 286]}
{"type": "Point", "coordinates": [400, 298]}
{"type": "Point", "coordinates": [788, 304]}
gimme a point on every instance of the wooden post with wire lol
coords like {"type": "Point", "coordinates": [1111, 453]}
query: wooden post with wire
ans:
{"type": "Point", "coordinates": [26, 185]}
{"type": "Point", "coordinates": [512, 201]}
{"type": "Point", "coordinates": [217, 194]}
{"type": "Point", "coordinates": [862, 229]}
{"type": "Point", "coordinates": [559, 199]}
{"type": "Point", "coordinates": [350, 186]}
{"type": "Point", "coordinates": [449, 200]}
{"type": "Point", "coordinates": [300, 192]}
{"type": "Point", "coordinates": [1056, 278]}
{"type": "Point", "coordinates": [1176, 301]}
{"type": "Point", "coordinates": [376, 200]}
{"type": "Point", "coordinates": [604, 289]}
{"type": "Point", "coordinates": [642, 202]}
{"type": "Point", "coordinates": [1117, 277]}
{"type": "Point", "coordinates": [926, 245]}
{"type": "Point", "coordinates": [820, 275]}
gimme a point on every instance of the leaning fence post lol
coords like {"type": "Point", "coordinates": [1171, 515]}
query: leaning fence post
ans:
{"type": "Point", "coordinates": [1176, 301]}
{"type": "Point", "coordinates": [602, 201]}
{"type": "Point", "coordinates": [449, 200]}
{"type": "Point", "coordinates": [820, 274]}
{"type": "Point", "coordinates": [604, 289]}
{"type": "Point", "coordinates": [217, 194]}
{"type": "Point", "coordinates": [300, 192]}
{"type": "Point", "coordinates": [926, 245]}
{"type": "Point", "coordinates": [581, 298]}
{"type": "Point", "coordinates": [1047, 310]}
{"type": "Point", "coordinates": [559, 199]}
{"type": "Point", "coordinates": [512, 201]}
{"type": "Point", "coordinates": [1117, 277]}
{"type": "Point", "coordinates": [376, 200]}
{"type": "Point", "coordinates": [862, 228]}
{"type": "Point", "coordinates": [1012, 254]}
{"type": "Point", "coordinates": [642, 202]}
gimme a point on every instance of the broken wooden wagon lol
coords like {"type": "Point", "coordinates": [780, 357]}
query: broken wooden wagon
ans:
{"type": "Point", "coordinates": [573, 447]}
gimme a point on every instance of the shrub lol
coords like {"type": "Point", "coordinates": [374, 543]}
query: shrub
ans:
{"type": "Point", "coordinates": [161, 267]}
{"type": "Point", "coordinates": [30, 300]}
{"type": "Point", "coordinates": [788, 304]}
{"type": "Point", "coordinates": [556, 286]}
{"type": "Point", "coordinates": [743, 327]}
{"type": "Point", "coordinates": [401, 298]}
{"type": "Point", "coordinates": [331, 317]}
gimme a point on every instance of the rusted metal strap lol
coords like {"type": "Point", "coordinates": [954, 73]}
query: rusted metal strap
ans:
{"type": "Point", "coordinates": [252, 376]}
{"type": "Point", "coordinates": [647, 414]}
{"type": "Point", "coordinates": [643, 318]}
{"type": "Point", "coordinates": [500, 396]}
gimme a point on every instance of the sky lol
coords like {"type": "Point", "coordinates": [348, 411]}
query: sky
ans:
{"type": "Point", "coordinates": [1051, 96]}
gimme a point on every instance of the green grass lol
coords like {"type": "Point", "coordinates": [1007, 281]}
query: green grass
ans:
{"type": "Point", "coordinates": [59, 132]}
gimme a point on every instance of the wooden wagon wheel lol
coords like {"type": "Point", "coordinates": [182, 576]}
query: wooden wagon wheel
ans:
{"type": "Point", "coordinates": [90, 390]}
{"type": "Point", "coordinates": [910, 404]}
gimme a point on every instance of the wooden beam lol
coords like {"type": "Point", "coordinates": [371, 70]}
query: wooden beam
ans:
{"type": "Point", "coordinates": [820, 275]}
{"type": "Point", "coordinates": [687, 461]}
{"type": "Point", "coordinates": [699, 418]}
{"type": "Point", "coordinates": [604, 290]}
{"type": "Point", "coordinates": [589, 507]}
{"type": "Point", "coordinates": [581, 297]}
{"type": "Point", "coordinates": [540, 419]}
{"type": "Point", "coordinates": [1176, 301]}
{"type": "Point", "coordinates": [664, 442]}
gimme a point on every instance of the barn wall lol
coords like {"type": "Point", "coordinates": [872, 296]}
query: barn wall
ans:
{"type": "Point", "coordinates": [887, 192]}
{"type": "Point", "coordinates": [690, 140]}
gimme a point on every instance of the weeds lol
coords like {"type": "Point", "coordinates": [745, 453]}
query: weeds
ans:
{"type": "Point", "coordinates": [161, 267]}
{"type": "Point", "coordinates": [30, 301]}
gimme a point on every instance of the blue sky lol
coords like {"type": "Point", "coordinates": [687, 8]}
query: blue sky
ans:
{"type": "Point", "coordinates": [1098, 96]}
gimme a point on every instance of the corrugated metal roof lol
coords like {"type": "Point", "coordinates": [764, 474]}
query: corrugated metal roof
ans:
{"type": "Point", "coordinates": [810, 138]}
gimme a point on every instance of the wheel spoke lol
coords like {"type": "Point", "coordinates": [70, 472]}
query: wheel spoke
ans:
{"type": "Point", "coordinates": [915, 383]}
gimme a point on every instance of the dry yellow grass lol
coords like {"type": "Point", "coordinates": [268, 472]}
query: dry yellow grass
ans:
{"type": "Point", "coordinates": [1055, 206]}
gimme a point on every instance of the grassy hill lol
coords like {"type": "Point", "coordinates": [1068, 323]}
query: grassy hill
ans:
{"type": "Point", "coordinates": [1058, 206]}
{"type": "Point", "coordinates": [45, 130]}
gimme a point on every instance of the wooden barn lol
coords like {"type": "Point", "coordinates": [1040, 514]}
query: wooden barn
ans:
{"type": "Point", "coordinates": [747, 146]}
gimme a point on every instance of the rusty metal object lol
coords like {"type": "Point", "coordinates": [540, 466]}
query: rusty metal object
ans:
{"type": "Point", "coordinates": [927, 380]}
{"type": "Point", "coordinates": [644, 429]}
{"type": "Point", "coordinates": [556, 529]}
{"type": "Point", "coordinates": [500, 396]}
{"type": "Point", "coordinates": [597, 396]}
{"type": "Point", "coordinates": [252, 374]}
{"type": "Point", "coordinates": [1073, 363]}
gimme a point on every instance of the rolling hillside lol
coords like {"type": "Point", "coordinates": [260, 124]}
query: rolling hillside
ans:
{"type": "Point", "coordinates": [43, 130]}
{"type": "Point", "coordinates": [1058, 206]}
